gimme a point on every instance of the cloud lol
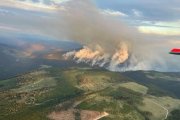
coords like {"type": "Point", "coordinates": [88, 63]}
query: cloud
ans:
{"type": "Point", "coordinates": [154, 17]}
{"type": "Point", "coordinates": [5, 12]}
{"type": "Point", "coordinates": [137, 13]}
{"type": "Point", "coordinates": [114, 13]}
{"type": "Point", "coordinates": [47, 2]}
{"type": "Point", "coordinates": [8, 28]}
{"type": "Point", "coordinates": [161, 28]}
{"type": "Point", "coordinates": [33, 5]}
{"type": "Point", "coordinates": [173, 24]}
{"type": "Point", "coordinates": [153, 10]}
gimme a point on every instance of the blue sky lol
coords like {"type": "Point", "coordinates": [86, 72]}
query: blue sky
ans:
{"type": "Point", "coordinates": [159, 17]}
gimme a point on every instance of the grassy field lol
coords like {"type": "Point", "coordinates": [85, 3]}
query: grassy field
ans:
{"type": "Point", "coordinates": [135, 87]}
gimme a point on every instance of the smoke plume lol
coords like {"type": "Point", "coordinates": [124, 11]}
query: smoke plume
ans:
{"type": "Point", "coordinates": [107, 41]}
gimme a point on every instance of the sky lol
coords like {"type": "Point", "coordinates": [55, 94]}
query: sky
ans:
{"type": "Point", "coordinates": [157, 20]}
{"type": "Point", "coordinates": [159, 17]}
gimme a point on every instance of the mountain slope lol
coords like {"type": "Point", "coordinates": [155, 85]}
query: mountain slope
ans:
{"type": "Point", "coordinates": [80, 93]}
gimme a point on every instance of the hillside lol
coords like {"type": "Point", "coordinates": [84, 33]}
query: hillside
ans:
{"type": "Point", "coordinates": [85, 94]}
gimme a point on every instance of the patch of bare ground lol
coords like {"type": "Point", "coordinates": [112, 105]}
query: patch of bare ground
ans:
{"type": "Point", "coordinates": [63, 115]}
{"type": "Point", "coordinates": [92, 115]}
{"type": "Point", "coordinates": [64, 112]}
{"type": "Point", "coordinates": [70, 115]}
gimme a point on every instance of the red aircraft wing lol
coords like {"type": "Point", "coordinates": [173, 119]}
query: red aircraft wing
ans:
{"type": "Point", "coordinates": [175, 51]}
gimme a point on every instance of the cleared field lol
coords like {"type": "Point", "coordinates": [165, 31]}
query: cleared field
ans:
{"type": "Point", "coordinates": [168, 102]}
{"type": "Point", "coordinates": [157, 112]}
{"type": "Point", "coordinates": [135, 87]}
{"type": "Point", "coordinates": [160, 107]}
{"type": "Point", "coordinates": [36, 85]}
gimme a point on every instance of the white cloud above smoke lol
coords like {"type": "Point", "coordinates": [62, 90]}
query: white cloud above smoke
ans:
{"type": "Point", "coordinates": [111, 12]}
{"type": "Point", "coordinates": [34, 5]}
